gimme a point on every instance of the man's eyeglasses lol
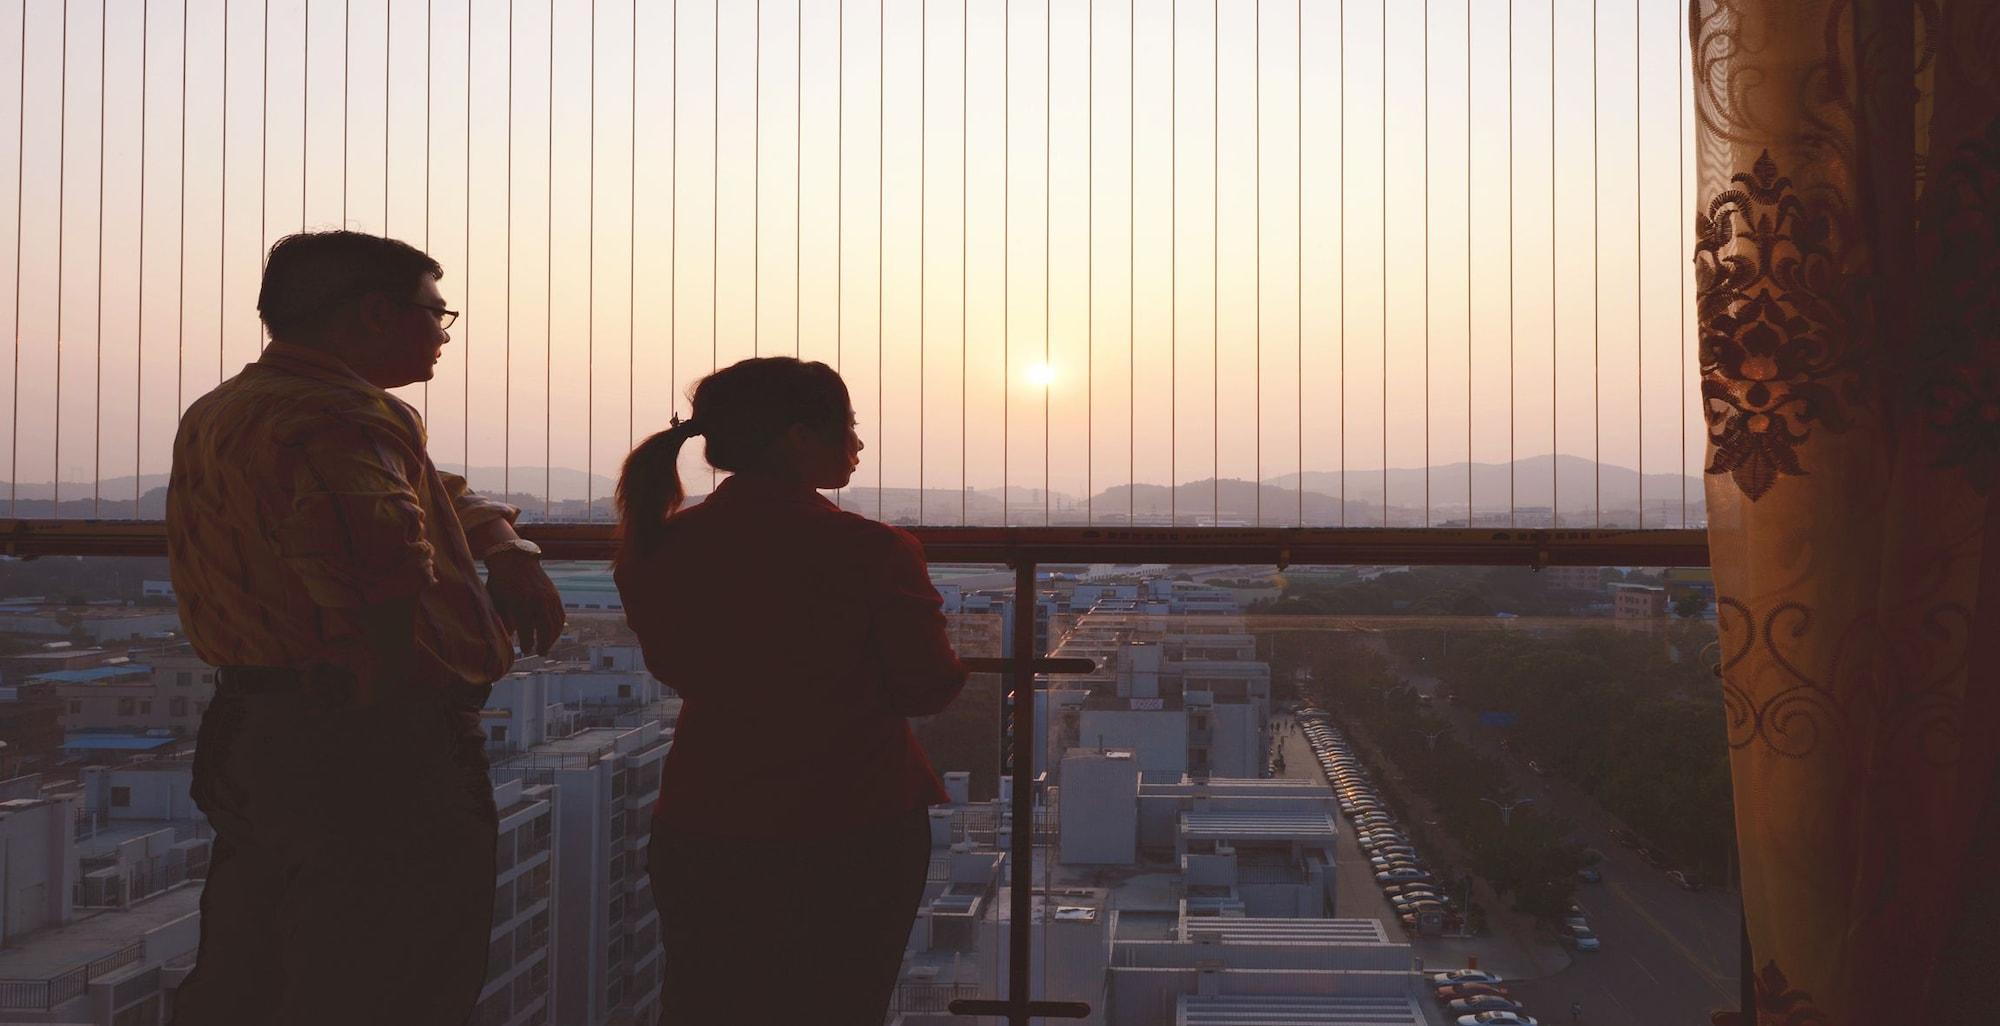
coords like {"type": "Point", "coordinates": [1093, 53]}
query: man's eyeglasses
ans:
{"type": "Point", "coordinates": [445, 318]}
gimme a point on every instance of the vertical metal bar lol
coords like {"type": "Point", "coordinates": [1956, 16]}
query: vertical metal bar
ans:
{"type": "Point", "coordinates": [1299, 249]}
{"type": "Point", "coordinates": [222, 201]}
{"type": "Point", "coordinates": [840, 197]}
{"type": "Point", "coordinates": [1341, 148]}
{"type": "Point", "coordinates": [923, 229]}
{"type": "Point", "coordinates": [1511, 458]}
{"type": "Point", "coordinates": [1427, 262]}
{"type": "Point", "coordinates": [1215, 265]}
{"type": "Point", "coordinates": [1383, 213]}
{"type": "Point", "coordinates": [139, 346]}
{"type": "Point", "coordinates": [1131, 261]}
{"type": "Point", "coordinates": [964, 205]}
{"type": "Point", "coordinates": [20, 192]}
{"type": "Point", "coordinates": [305, 97]}
{"type": "Point", "coordinates": [589, 282]}
{"type": "Point", "coordinates": [1555, 449]}
{"type": "Point", "coordinates": [1048, 202]}
{"type": "Point", "coordinates": [1468, 263]}
{"type": "Point", "coordinates": [1021, 857]}
{"type": "Point", "coordinates": [62, 209]}
{"type": "Point", "coordinates": [1639, 259]}
{"type": "Point", "coordinates": [388, 54]}
{"type": "Point", "coordinates": [465, 347]}
{"type": "Point", "coordinates": [427, 171]}
{"type": "Point", "coordinates": [757, 184]}
{"type": "Point", "coordinates": [632, 233]}
{"type": "Point", "coordinates": [1173, 263]}
{"type": "Point", "coordinates": [180, 275]}
{"type": "Point", "coordinates": [97, 326]}
{"type": "Point", "coordinates": [674, 215]}
{"type": "Point", "coordinates": [1596, 264]}
{"type": "Point", "coordinates": [1680, 237]}
{"type": "Point", "coordinates": [1090, 261]}
{"type": "Point", "coordinates": [1257, 186]}
{"type": "Point", "coordinates": [715, 205]}
{"type": "Point", "coordinates": [798, 178]}
{"type": "Point", "coordinates": [1006, 255]}
{"type": "Point", "coordinates": [507, 375]}
{"type": "Point", "coordinates": [346, 92]}
{"type": "Point", "coordinates": [881, 242]}
{"type": "Point", "coordinates": [549, 282]}
{"type": "Point", "coordinates": [427, 168]}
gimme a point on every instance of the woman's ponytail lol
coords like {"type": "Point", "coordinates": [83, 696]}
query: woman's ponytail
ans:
{"type": "Point", "coordinates": [649, 490]}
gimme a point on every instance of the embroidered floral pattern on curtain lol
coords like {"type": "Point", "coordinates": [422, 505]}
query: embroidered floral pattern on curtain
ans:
{"type": "Point", "coordinates": [1845, 253]}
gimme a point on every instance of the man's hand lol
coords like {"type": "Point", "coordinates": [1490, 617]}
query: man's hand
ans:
{"type": "Point", "coordinates": [527, 600]}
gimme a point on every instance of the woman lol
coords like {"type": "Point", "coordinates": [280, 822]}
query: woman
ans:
{"type": "Point", "coordinates": [792, 836]}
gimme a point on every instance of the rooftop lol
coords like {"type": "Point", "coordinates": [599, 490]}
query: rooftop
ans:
{"type": "Point", "coordinates": [1233, 930]}
{"type": "Point", "coordinates": [94, 674]}
{"type": "Point", "coordinates": [1258, 826]}
{"type": "Point", "coordinates": [101, 742]}
{"type": "Point", "coordinates": [1301, 1010]}
{"type": "Point", "coordinates": [94, 935]}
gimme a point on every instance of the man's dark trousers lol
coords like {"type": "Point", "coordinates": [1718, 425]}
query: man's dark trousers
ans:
{"type": "Point", "coordinates": [352, 874]}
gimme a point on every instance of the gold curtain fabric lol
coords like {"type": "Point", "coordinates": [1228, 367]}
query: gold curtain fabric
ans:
{"type": "Point", "coordinates": [1849, 176]}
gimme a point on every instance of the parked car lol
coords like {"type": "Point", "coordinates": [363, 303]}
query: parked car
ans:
{"type": "Point", "coordinates": [1581, 938]}
{"type": "Point", "coordinates": [1684, 881]}
{"type": "Point", "coordinates": [1498, 1019]}
{"type": "Point", "coordinates": [1402, 874]}
{"type": "Point", "coordinates": [1393, 890]}
{"type": "Point", "coordinates": [1446, 995]}
{"type": "Point", "coordinates": [1460, 977]}
{"type": "Point", "coordinates": [1483, 1003]}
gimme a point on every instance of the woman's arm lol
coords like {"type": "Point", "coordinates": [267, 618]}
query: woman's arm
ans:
{"type": "Point", "coordinates": [921, 675]}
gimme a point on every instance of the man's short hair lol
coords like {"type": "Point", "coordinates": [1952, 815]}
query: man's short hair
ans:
{"type": "Point", "coordinates": [309, 275]}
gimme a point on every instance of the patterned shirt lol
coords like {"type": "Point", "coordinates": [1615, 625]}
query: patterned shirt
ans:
{"type": "Point", "coordinates": [800, 638]}
{"type": "Point", "coordinates": [299, 493]}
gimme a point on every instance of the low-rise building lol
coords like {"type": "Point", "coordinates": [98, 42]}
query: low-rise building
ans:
{"type": "Point", "coordinates": [1638, 601]}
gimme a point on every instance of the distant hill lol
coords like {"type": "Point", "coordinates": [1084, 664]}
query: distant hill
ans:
{"type": "Point", "coordinates": [1228, 501]}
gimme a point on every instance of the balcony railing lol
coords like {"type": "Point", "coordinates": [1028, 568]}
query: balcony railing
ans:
{"type": "Point", "coordinates": [67, 985]}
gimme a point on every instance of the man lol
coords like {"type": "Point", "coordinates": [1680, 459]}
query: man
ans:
{"type": "Point", "coordinates": [326, 569]}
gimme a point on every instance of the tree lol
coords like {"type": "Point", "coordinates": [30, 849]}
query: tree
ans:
{"type": "Point", "coordinates": [1690, 604]}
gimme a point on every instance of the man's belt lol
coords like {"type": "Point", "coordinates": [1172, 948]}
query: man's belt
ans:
{"type": "Point", "coordinates": [279, 680]}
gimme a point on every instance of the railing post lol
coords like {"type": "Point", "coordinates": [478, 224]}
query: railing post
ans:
{"type": "Point", "coordinates": [1023, 855]}
{"type": "Point", "coordinates": [1018, 1007]}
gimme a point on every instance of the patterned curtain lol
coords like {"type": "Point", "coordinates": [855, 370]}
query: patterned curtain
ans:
{"type": "Point", "coordinates": [1850, 373]}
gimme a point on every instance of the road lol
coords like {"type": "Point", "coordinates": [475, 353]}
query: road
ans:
{"type": "Point", "coordinates": [1669, 957]}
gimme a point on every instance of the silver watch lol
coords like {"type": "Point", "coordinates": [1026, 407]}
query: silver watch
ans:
{"type": "Point", "coordinates": [514, 544]}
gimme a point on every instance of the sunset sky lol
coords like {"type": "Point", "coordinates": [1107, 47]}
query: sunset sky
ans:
{"type": "Point", "coordinates": [601, 274]}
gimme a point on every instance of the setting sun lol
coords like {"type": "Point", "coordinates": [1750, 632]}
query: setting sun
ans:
{"type": "Point", "coordinates": [1041, 375]}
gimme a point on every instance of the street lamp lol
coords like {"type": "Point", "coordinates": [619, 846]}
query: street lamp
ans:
{"type": "Point", "coordinates": [1507, 809]}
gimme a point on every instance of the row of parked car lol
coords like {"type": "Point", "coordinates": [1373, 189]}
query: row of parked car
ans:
{"type": "Point", "coordinates": [1479, 998]}
{"type": "Point", "coordinates": [1474, 997]}
{"type": "Point", "coordinates": [1404, 877]}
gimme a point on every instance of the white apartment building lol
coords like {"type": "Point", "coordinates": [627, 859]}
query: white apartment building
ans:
{"type": "Point", "coordinates": [520, 966]}
{"type": "Point", "coordinates": [1183, 703]}
{"type": "Point", "coordinates": [555, 700]}
{"type": "Point", "coordinates": [606, 781]}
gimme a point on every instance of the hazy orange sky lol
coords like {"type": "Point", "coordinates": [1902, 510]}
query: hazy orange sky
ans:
{"type": "Point", "coordinates": [1187, 333]}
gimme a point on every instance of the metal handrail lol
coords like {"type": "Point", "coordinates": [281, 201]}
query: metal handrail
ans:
{"type": "Point", "coordinates": [1278, 546]}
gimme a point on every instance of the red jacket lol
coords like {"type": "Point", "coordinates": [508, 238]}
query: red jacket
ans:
{"type": "Point", "coordinates": [800, 638]}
